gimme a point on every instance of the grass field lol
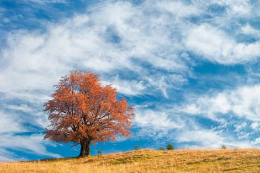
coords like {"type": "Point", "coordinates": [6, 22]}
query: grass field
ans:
{"type": "Point", "coordinates": [147, 161]}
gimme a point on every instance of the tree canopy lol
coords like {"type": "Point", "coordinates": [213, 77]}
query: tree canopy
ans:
{"type": "Point", "coordinates": [83, 111]}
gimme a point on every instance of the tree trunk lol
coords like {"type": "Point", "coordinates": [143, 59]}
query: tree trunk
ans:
{"type": "Point", "coordinates": [85, 148]}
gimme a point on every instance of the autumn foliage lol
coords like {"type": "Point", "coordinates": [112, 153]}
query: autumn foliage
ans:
{"type": "Point", "coordinates": [83, 111]}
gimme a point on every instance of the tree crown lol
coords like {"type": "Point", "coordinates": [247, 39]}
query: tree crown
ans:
{"type": "Point", "coordinates": [170, 147]}
{"type": "Point", "coordinates": [83, 109]}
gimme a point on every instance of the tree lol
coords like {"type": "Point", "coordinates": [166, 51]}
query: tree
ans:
{"type": "Point", "coordinates": [84, 112]}
{"type": "Point", "coordinates": [223, 147]}
{"type": "Point", "coordinates": [170, 147]}
{"type": "Point", "coordinates": [99, 153]}
{"type": "Point", "coordinates": [137, 147]}
{"type": "Point", "coordinates": [161, 148]}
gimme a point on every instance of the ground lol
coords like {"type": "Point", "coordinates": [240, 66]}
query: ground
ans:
{"type": "Point", "coordinates": [147, 161]}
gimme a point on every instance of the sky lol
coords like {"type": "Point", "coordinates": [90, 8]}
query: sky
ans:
{"type": "Point", "coordinates": [190, 68]}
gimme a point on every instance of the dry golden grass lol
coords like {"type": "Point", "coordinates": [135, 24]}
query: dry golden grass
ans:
{"type": "Point", "coordinates": [147, 161]}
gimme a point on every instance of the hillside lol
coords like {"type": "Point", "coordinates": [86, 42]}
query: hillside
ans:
{"type": "Point", "coordinates": [145, 161]}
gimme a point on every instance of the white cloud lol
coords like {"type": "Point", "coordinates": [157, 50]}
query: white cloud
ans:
{"type": "Point", "coordinates": [242, 102]}
{"type": "Point", "coordinates": [257, 141]}
{"type": "Point", "coordinates": [25, 113]}
{"type": "Point", "coordinates": [203, 138]}
{"type": "Point", "coordinates": [32, 144]}
{"type": "Point", "coordinates": [10, 123]}
{"type": "Point", "coordinates": [127, 87]}
{"type": "Point", "coordinates": [178, 8]}
{"type": "Point", "coordinates": [255, 125]}
{"type": "Point", "coordinates": [249, 30]}
{"type": "Point", "coordinates": [216, 46]}
{"type": "Point", "coordinates": [164, 82]}
{"type": "Point", "coordinates": [23, 108]}
{"type": "Point", "coordinates": [196, 136]}
{"type": "Point", "coordinates": [6, 156]}
{"type": "Point", "coordinates": [170, 125]}
{"type": "Point", "coordinates": [240, 127]}
{"type": "Point", "coordinates": [234, 8]}
{"type": "Point", "coordinates": [157, 120]}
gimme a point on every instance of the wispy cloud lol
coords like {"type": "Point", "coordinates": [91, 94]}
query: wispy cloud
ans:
{"type": "Point", "coordinates": [216, 46]}
{"type": "Point", "coordinates": [126, 87]}
{"type": "Point", "coordinates": [10, 123]}
{"type": "Point", "coordinates": [32, 144]}
{"type": "Point", "coordinates": [242, 102]}
{"type": "Point", "coordinates": [157, 120]}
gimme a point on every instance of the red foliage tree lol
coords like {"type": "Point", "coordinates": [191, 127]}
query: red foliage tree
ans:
{"type": "Point", "coordinates": [83, 111]}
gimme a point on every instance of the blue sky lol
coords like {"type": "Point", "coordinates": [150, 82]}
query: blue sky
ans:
{"type": "Point", "coordinates": [190, 68]}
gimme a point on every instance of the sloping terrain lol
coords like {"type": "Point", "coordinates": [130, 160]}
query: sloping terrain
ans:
{"type": "Point", "coordinates": [147, 161]}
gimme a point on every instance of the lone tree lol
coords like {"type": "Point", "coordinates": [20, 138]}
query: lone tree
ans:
{"type": "Point", "coordinates": [137, 147]}
{"type": "Point", "coordinates": [161, 148]}
{"type": "Point", "coordinates": [223, 147]}
{"type": "Point", "coordinates": [170, 147]}
{"type": "Point", "coordinates": [84, 112]}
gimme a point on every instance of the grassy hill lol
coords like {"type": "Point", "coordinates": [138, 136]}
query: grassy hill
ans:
{"type": "Point", "coordinates": [147, 161]}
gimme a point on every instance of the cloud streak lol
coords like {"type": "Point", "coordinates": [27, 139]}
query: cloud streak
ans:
{"type": "Point", "coordinates": [242, 102]}
{"type": "Point", "coordinates": [216, 46]}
